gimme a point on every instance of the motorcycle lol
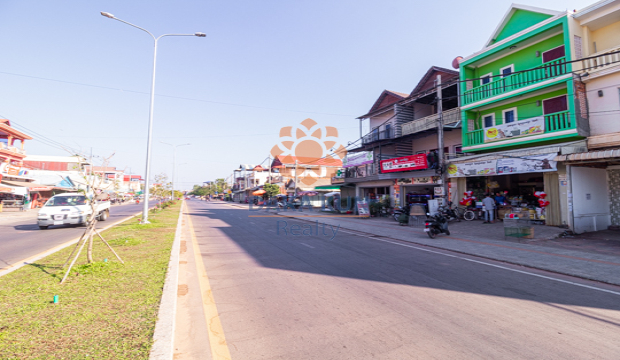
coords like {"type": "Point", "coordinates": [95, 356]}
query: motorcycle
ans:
{"type": "Point", "coordinates": [436, 224]}
{"type": "Point", "coordinates": [400, 211]}
{"type": "Point", "coordinates": [450, 213]}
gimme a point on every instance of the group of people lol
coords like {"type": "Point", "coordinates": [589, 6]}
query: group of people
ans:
{"type": "Point", "coordinates": [490, 203]}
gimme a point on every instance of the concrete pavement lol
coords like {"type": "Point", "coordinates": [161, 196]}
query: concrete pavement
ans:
{"type": "Point", "coordinates": [586, 256]}
{"type": "Point", "coordinates": [374, 296]}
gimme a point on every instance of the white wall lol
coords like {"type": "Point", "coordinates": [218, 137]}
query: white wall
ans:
{"type": "Point", "coordinates": [590, 199]}
{"type": "Point", "coordinates": [604, 111]}
{"type": "Point", "coordinates": [450, 138]}
{"type": "Point", "coordinates": [379, 120]}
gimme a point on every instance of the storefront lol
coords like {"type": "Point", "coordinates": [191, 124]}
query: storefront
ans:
{"type": "Point", "coordinates": [521, 184]}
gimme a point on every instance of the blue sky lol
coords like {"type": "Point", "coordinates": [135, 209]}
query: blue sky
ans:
{"type": "Point", "coordinates": [83, 80]}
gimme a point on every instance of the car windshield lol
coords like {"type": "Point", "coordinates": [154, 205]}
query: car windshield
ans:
{"type": "Point", "coordinates": [66, 201]}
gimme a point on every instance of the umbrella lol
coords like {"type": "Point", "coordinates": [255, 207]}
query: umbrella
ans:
{"type": "Point", "coordinates": [259, 192]}
{"type": "Point", "coordinates": [333, 193]}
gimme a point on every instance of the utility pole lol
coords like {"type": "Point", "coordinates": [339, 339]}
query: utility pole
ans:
{"type": "Point", "coordinates": [441, 155]}
{"type": "Point", "coordinates": [269, 165]}
{"type": "Point", "coordinates": [296, 178]}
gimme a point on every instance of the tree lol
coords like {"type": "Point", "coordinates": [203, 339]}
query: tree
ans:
{"type": "Point", "coordinates": [161, 186]}
{"type": "Point", "coordinates": [271, 190]}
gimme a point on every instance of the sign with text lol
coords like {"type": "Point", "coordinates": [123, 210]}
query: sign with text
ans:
{"type": "Point", "coordinates": [474, 168]}
{"type": "Point", "coordinates": [527, 164]}
{"type": "Point", "coordinates": [356, 159]}
{"type": "Point", "coordinates": [362, 208]}
{"type": "Point", "coordinates": [515, 129]}
{"type": "Point", "coordinates": [405, 163]}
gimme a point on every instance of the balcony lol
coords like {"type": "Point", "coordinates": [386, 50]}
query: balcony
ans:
{"type": "Point", "coordinates": [451, 116]}
{"type": "Point", "coordinates": [552, 122]}
{"type": "Point", "coordinates": [516, 81]}
{"type": "Point", "coordinates": [13, 149]}
{"type": "Point", "coordinates": [378, 134]}
{"type": "Point", "coordinates": [601, 60]}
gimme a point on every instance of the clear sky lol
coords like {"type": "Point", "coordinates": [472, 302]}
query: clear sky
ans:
{"type": "Point", "coordinates": [82, 80]}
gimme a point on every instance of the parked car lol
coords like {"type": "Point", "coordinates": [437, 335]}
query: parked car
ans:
{"type": "Point", "coordinates": [71, 208]}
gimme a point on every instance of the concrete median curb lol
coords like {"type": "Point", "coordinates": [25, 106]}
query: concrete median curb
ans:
{"type": "Point", "coordinates": [163, 337]}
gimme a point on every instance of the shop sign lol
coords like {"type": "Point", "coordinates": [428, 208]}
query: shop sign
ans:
{"type": "Point", "coordinates": [9, 169]}
{"type": "Point", "coordinates": [404, 181]}
{"type": "Point", "coordinates": [515, 129]}
{"type": "Point", "coordinates": [362, 208]}
{"type": "Point", "coordinates": [474, 168]}
{"type": "Point", "coordinates": [340, 174]}
{"type": "Point", "coordinates": [426, 180]}
{"type": "Point", "coordinates": [405, 163]}
{"type": "Point", "coordinates": [527, 164]}
{"type": "Point", "coordinates": [356, 159]}
{"type": "Point", "coordinates": [7, 190]}
{"type": "Point", "coordinates": [337, 180]}
{"type": "Point", "coordinates": [439, 191]}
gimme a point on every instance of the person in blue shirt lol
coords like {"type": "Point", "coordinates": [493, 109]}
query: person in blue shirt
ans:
{"type": "Point", "coordinates": [500, 198]}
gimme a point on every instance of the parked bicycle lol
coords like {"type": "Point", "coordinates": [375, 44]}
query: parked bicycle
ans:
{"type": "Point", "coordinates": [473, 213]}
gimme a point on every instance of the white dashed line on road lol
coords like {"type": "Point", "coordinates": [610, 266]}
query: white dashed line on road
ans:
{"type": "Point", "coordinates": [311, 247]}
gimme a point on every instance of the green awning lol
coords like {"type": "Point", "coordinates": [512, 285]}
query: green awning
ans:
{"type": "Point", "coordinates": [327, 187]}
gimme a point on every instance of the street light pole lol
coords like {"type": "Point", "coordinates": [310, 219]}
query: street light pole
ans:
{"type": "Point", "coordinates": [145, 207]}
{"type": "Point", "coordinates": [174, 159]}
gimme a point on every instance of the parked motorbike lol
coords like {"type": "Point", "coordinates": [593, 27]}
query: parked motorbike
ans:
{"type": "Point", "coordinates": [436, 224]}
{"type": "Point", "coordinates": [400, 211]}
{"type": "Point", "coordinates": [450, 213]}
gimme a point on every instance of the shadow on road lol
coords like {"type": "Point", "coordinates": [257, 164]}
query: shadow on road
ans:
{"type": "Point", "coordinates": [352, 256]}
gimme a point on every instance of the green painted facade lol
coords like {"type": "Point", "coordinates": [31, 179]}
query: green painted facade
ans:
{"type": "Point", "coordinates": [531, 81]}
{"type": "Point", "coordinates": [519, 21]}
{"type": "Point", "coordinates": [526, 109]}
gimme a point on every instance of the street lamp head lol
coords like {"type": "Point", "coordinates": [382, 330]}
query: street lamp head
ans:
{"type": "Point", "coordinates": [108, 15]}
{"type": "Point", "coordinates": [199, 34]}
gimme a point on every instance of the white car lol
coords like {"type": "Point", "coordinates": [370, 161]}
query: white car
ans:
{"type": "Point", "coordinates": [70, 208]}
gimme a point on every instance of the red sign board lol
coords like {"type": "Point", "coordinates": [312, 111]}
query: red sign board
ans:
{"type": "Point", "coordinates": [405, 163]}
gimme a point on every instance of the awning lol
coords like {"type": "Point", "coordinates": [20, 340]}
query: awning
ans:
{"type": "Point", "coordinates": [327, 187]}
{"type": "Point", "coordinates": [15, 190]}
{"type": "Point", "coordinates": [259, 192]}
{"type": "Point", "coordinates": [592, 155]}
{"type": "Point", "coordinates": [333, 193]}
{"type": "Point", "coordinates": [29, 185]}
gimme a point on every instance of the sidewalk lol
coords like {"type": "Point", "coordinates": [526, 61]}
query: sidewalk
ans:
{"type": "Point", "coordinates": [594, 256]}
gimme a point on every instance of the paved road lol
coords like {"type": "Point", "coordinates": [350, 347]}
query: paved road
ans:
{"type": "Point", "coordinates": [308, 296]}
{"type": "Point", "coordinates": [22, 238]}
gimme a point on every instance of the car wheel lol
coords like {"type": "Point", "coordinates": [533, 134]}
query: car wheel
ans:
{"type": "Point", "coordinates": [104, 215]}
{"type": "Point", "coordinates": [43, 227]}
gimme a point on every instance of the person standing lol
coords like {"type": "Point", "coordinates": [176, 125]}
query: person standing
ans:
{"type": "Point", "coordinates": [489, 209]}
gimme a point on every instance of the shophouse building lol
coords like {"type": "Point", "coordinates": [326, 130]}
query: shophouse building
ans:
{"type": "Point", "coordinates": [398, 156]}
{"type": "Point", "coordinates": [522, 106]}
{"type": "Point", "coordinates": [594, 175]}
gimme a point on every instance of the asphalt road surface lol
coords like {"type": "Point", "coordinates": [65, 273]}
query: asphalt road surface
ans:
{"type": "Point", "coordinates": [316, 294]}
{"type": "Point", "coordinates": [21, 239]}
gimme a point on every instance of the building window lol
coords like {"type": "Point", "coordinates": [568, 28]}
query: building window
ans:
{"type": "Point", "coordinates": [488, 120]}
{"type": "Point", "coordinates": [578, 47]}
{"type": "Point", "coordinates": [509, 115]}
{"type": "Point", "coordinates": [555, 105]}
{"type": "Point", "coordinates": [553, 54]}
{"type": "Point", "coordinates": [505, 71]}
{"type": "Point", "coordinates": [458, 149]}
{"type": "Point", "coordinates": [485, 79]}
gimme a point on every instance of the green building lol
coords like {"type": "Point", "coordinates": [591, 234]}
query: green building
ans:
{"type": "Point", "coordinates": [521, 107]}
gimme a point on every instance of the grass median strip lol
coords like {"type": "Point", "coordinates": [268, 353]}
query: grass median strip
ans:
{"type": "Point", "coordinates": [105, 310]}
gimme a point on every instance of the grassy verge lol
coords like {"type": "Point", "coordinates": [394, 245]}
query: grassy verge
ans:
{"type": "Point", "coordinates": [106, 310]}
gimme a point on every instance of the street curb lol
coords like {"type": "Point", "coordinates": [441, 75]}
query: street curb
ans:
{"type": "Point", "coordinates": [40, 256]}
{"type": "Point", "coordinates": [163, 337]}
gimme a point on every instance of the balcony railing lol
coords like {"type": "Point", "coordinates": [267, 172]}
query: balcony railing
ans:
{"type": "Point", "coordinates": [4, 146]}
{"type": "Point", "coordinates": [516, 81]}
{"type": "Point", "coordinates": [430, 122]}
{"type": "Point", "coordinates": [601, 60]}
{"type": "Point", "coordinates": [553, 122]}
{"type": "Point", "coordinates": [377, 135]}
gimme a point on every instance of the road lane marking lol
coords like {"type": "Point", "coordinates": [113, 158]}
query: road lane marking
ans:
{"type": "Point", "coordinates": [219, 347]}
{"type": "Point", "coordinates": [488, 264]}
{"type": "Point", "coordinates": [311, 247]}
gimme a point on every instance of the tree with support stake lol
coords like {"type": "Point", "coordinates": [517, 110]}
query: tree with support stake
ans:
{"type": "Point", "coordinates": [94, 191]}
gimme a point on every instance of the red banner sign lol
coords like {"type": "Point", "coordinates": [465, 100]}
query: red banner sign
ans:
{"type": "Point", "coordinates": [405, 163]}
